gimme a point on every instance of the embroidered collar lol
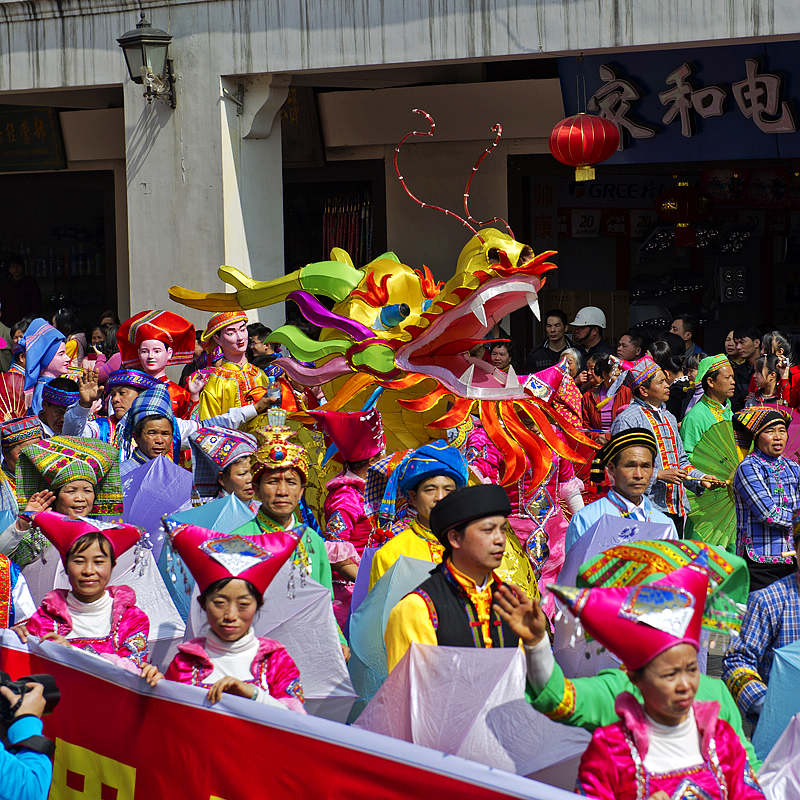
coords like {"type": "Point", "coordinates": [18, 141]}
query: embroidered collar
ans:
{"type": "Point", "coordinates": [423, 531]}
{"type": "Point", "coordinates": [270, 526]}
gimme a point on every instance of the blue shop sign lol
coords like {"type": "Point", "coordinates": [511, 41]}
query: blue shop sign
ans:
{"type": "Point", "coordinates": [699, 104]}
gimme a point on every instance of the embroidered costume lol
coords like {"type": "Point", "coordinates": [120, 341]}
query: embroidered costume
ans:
{"type": "Point", "coordinates": [614, 504]}
{"type": "Point", "coordinates": [767, 493]}
{"type": "Point", "coordinates": [262, 662]}
{"type": "Point", "coordinates": [229, 383]}
{"type": "Point", "coordinates": [113, 624]}
{"type": "Point", "coordinates": [213, 451]}
{"type": "Point", "coordinates": [52, 463]}
{"type": "Point", "coordinates": [669, 498]}
{"type": "Point", "coordinates": [414, 539]}
{"type": "Point", "coordinates": [636, 757]}
{"type": "Point", "coordinates": [449, 608]}
{"type": "Point", "coordinates": [707, 411]}
{"type": "Point", "coordinates": [276, 450]}
{"type": "Point", "coordinates": [358, 436]}
{"type": "Point", "coordinates": [42, 342]}
{"type": "Point", "coordinates": [78, 419]}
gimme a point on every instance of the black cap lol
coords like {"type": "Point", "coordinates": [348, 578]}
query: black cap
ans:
{"type": "Point", "coordinates": [466, 505]}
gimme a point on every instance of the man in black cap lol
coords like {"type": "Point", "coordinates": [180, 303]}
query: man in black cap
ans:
{"type": "Point", "coordinates": [454, 606]}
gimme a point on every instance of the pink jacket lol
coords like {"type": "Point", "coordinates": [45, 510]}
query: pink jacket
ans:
{"type": "Point", "coordinates": [608, 771]}
{"type": "Point", "coordinates": [345, 517]}
{"type": "Point", "coordinates": [129, 624]}
{"type": "Point", "coordinates": [483, 455]}
{"type": "Point", "coordinates": [273, 670]}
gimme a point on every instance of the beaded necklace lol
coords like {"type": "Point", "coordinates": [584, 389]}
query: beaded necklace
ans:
{"type": "Point", "coordinates": [301, 559]}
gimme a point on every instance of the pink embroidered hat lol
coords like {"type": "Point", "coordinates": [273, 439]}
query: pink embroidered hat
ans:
{"type": "Point", "coordinates": [358, 435]}
{"type": "Point", "coordinates": [211, 556]}
{"type": "Point", "coordinates": [638, 623]}
{"type": "Point", "coordinates": [63, 532]}
{"type": "Point", "coordinates": [555, 386]}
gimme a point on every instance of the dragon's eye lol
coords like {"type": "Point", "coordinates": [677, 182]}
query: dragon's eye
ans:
{"type": "Point", "coordinates": [394, 314]}
{"type": "Point", "coordinates": [493, 254]}
{"type": "Point", "coordinates": [525, 255]}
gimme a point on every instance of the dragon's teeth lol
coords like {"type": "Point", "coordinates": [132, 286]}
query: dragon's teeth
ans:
{"type": "Point", "coordinates": [466, 377]}
{"type": "Point", "coordinates": [480, 314]}
{"type": "Point", "coordinates": [533, 305]}
{"type": "Point", "coordinates": [511, 378]}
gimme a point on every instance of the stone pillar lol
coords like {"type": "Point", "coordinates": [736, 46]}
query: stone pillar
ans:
{"type": "Point", "coordinates": [252, 169]}
{"type": "Point", "coordinates": [174, 188]}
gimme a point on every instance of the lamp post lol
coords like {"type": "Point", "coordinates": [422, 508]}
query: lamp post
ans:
{"type": "Point", "coordinates": [146, 50]}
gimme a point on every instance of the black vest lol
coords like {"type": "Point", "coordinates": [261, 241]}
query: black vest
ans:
{"type": "Point", "coordinates": [454, 617]}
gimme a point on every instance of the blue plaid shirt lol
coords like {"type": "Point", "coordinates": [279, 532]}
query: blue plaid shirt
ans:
{"type": "Point", "coordinates": [767, 492]}
{"type": "Point", "coordinates": [772, 620]}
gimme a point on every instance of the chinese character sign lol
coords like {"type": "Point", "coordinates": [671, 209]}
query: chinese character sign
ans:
{"type": "Point", "coordinates": [693, 105]}
{"type": "Point", "coordinates": [30, 139]}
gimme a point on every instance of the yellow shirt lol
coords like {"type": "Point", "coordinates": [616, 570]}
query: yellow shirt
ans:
{"type": "Point", "coordinates": [227, 387]}
{"type": "Point", "coordinates": [410, 621]}
{"type": "Point", "coordinates": [416, 541]}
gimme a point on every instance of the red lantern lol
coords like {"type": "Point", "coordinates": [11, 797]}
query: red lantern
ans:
{"type": "Point", "coordinates": [583, 140]}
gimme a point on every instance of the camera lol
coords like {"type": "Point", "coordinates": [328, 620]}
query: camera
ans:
{"type": "Point", "coordinates": [50, 692]}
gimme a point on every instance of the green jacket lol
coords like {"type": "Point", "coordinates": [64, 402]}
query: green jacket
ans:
{"type": "Point", "coordinates": [589, 702]}
{"type": "Point", "coordinates": [699, 419]}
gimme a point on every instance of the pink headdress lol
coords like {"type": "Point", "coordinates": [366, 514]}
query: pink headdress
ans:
{"type": "Point", "coordinates": [638, 623]}
{"type": "Point", "coordinates": [555, 386]}
{"type": "Point", "coordinates": [212, 556]}
{"type": "Point", "coordinates": [546, 383]}
{"type": "Point", "coordinates": [358, 435]}
{"type": "Point", "coordinates": [63, 532]}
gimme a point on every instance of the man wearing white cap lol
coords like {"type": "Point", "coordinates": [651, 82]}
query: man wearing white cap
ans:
{"type": "Point", "coordinates": [588, 327]}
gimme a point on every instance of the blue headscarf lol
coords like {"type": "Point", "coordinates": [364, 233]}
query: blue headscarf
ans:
{"type": "Point", "coordinates": [434, 458]}
{"type": "Point", "coordinates": [42, 341]}
{"type": "Point", "coordinates": [152, 402]}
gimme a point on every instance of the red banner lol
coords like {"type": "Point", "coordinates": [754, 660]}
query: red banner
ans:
{"type": "Point", "coordinates": [116, 739]}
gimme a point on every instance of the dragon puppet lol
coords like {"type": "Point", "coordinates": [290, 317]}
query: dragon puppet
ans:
{"type": "Point", "coordinates": [395, 328]}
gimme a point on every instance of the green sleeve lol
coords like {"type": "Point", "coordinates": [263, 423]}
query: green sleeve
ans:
{"type": "Point", "coordinates": [714, 689]}
{"type": "Point", "coordinates": [691, 432]}
{"type": "Point", "coordinates": [583, 702]}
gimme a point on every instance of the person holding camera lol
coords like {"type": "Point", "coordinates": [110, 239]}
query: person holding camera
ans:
{"type": "Point", "coordinates": [25, 766]}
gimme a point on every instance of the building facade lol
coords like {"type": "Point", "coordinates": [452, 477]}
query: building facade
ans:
{"type": "Point", "coordinates": [281, 103]}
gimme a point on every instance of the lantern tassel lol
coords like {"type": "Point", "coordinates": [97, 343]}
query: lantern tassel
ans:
{"type": "Point", "coordinates": [584, 173]}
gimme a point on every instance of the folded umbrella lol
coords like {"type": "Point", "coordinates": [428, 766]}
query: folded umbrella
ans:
{"type": "Point", "coordinates": [471, 703]}
{"type": "Point", "coordinates": [156, 488]}
{"type": "Point", "coordinates": [368, 623]}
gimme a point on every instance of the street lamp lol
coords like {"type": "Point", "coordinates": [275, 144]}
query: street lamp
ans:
{"type": "Point", "coordinates": [145, 50]}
